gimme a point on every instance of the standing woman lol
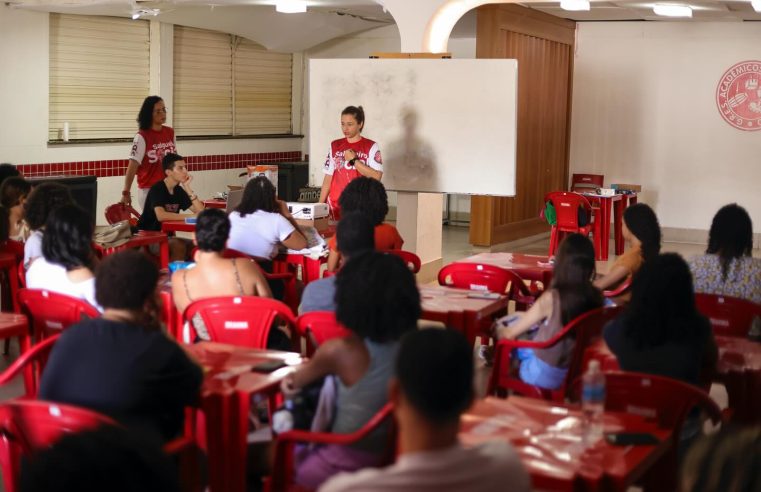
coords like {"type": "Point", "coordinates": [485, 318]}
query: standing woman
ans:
{"type": "Point", "coordinates": [152, 141]}
{"type": "Point", "coordinates": [349, 158]}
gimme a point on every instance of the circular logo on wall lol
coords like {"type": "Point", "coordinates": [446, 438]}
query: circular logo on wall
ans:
{"type": "Point", "coordinates": [738, 95]}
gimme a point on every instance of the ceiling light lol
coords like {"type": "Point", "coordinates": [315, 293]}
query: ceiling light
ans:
{"type": "Point", "coordinates": [756, 5]}
{"type": "Point", "coordinates": [574, 4]}
{"type": "Point", "coordinates": [291, 6]}
{"type": "Point", "coordinates": [672, 10]}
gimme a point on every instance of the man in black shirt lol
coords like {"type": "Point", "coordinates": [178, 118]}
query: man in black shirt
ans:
{"type": "Point", "coordinates": [166, 199]}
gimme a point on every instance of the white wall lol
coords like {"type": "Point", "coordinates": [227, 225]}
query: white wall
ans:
{"type": "Point", "coordinates": [644, 112]}
{"type": "Point", "coordinates": [24, 43]}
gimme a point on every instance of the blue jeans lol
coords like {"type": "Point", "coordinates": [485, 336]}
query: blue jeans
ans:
{"type": "Point", "coordinates": [536, 372]}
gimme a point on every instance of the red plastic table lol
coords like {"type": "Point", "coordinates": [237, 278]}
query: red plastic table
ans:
{"type": "Point", "coordinates": [214, 203]}
{"type": "Point", "coordinates": [455, 309]}
{"type": "Point", "coordinates": [141, 238]}
{"type": "Point", "coordinates": [607, 204]}
{"type": "Point", "coordinates": [226, 394]}
{"type": "Point", "coordinates": [738, 368]}
{"type": "Point", "coordinates": [528, 267]}
{"type": "Point", "coordinates": [547, 437]}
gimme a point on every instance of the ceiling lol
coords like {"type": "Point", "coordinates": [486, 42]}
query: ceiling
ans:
{"type": "Point", "coordinates": [329, 19]}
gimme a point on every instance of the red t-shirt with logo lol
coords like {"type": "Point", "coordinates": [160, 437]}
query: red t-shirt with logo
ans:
{"type": "Point", "coordinates": [149, 148]}
{"type": "Point", "coordinates": [335, 165]}
{"type": "Point", "coordinates": [386, 237]}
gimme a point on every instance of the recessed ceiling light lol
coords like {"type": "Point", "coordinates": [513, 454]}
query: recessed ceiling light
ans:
{"type": "Point", "coordinates": [574, 4]}
{"type": "Point", "coordinates": [291, 6]}
{"type": "Point", "coordinates": [756, 5]}
{"type": "Point", "coordinates": [672, 10]}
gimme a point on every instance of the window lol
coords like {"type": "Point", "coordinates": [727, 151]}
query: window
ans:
{"type": "Point", "coordinates": [228, 85]}
{"type": "Point", "coordinates": [99, 75]}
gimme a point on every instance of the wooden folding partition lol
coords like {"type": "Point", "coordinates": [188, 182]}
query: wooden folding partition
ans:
{"type": "Point", "coordinates": [543, 45]}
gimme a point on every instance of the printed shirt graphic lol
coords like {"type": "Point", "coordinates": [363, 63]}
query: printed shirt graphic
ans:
{"type": "Point", "coordinates": [149, 148]}
{"type": "Point", "coordinates": [342, 172]}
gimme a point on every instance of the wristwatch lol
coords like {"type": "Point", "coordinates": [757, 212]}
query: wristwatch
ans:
{"type": "Point", "coordinates": [351, 162]}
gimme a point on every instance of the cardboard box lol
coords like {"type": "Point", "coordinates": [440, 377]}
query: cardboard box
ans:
{"type": "Point", "coordinates": [630, 187]}
{"type": "Point", "coordinates": [320, 224]}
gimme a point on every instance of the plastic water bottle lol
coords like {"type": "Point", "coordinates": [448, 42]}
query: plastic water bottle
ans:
{"type": "Point", "coordinates": [282, 420]}
{"type": "Point", "coordinates": [593, 403]}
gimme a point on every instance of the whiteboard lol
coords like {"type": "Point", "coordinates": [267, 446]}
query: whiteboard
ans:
{"type": "Point", "coordinates": [445, 126]}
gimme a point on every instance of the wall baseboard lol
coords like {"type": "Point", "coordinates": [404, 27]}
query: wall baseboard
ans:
{"type": "Point", "coordinates": [695, 236]}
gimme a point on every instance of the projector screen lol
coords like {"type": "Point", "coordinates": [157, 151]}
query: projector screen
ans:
{"type": "Point", "coordinates": [445, 126]}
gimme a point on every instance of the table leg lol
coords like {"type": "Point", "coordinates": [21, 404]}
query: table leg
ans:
{"type": "Point", "coordinates": [605, 237]}
{"type": "Point", "coordinates": [226, 435]}
{"type": "Point", "coordinates": [618, 217]}
{"type": "Point", "coordinates": [310, 270]}
{"type": "Point", "coordinates": [164, 249]}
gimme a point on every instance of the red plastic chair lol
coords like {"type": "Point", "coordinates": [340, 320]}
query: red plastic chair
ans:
{"type": "Point", "coordinates": [31, 363]}
{"type": "Point", "coordinates": [291, 297]}
{"type": "Point", "coordinates": [319, 326]}
{"type": "Point", "coordinates": [586, 182]}
{"type": "Point", "coordinates": [28, 426]}
{"type": "Point", "coordinates": [51, 313]}
{"type": "Point", "coordinates": [9, 301]}
{"type": "Point", "coordinates": [622, 288]}
{"type": "Point", "coordinates": [240, 320]}
{"type": "Point", "coordinates": [567, 205]}
{"type": "Point", "coordinates": [283, 467]}
{"type": "Point", "coordinates": [730, 316]}
{"type": "Point", "coordinates": [478, 276]}
{"type": "Point", "coordinates": [659, 399]}
{"type": "Point", "coordinates": [585, 328]}
{"type": "Point", "coordinates": [410, 259]}
{"type": "Point", "coordinates": [119, 212]}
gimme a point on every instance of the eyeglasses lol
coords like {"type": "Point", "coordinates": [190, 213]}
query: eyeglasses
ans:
{"type": "Point", "coordinates": [164, 110]}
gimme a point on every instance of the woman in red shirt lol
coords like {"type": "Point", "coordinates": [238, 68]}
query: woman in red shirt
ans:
{"type": "Point", "coordinates": [349, 158]}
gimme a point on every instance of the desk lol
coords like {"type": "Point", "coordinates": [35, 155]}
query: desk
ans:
{"type": "Point", "coordinates": [528, 267]}
{"type": "Point", "coordinates": [177, 226]}
{"type": "Point", "coordinates": [738, 369]}
{"type": "Point", "coordinates": [605, 204]}
{"type": "Point", "coordinates": [547, 437]}
{"type": "Point", "coordinates": [225, 400]}
{"type": "Point", "coordinates": [141, 238]}
{"type": "Point", "coordinates": [454, 308]}
{"type": "Point", "coordinates": [214, 203]}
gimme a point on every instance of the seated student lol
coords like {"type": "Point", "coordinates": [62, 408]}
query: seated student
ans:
{"type": "Point", "coordinates": [167, 198]}
{"type": "Point", "coordinates": [43, 199]}
{"type": "Point", "coordinates": [643, 233]}
{"type": "Point", "coordinates": [212, 274]}
{"type": "Point", "coordinates": [261, 223]}
{"type": "Point", "coordinates": [570, 295]}
{"type": "Point", "coordinates": [107, 458]}
{"type": "Point", "coordinates": [661, 332]}
{"type": "Point", "coordinates": [728, 268]}
{"type": "Point", "coordinates": [355, 236]}
{"type": "Point", "coordinates": [431, 388]}
{"type": "Point", "coordinates": [367, 196]}
{"type": "Point", "coordinates": [67, 255]}
{"type": "Point", "coordinates": [13, 194]}
{"type": "Point", "coordinates": [121, 364]}
{"type": "Point", "coordinates": [378, 300]}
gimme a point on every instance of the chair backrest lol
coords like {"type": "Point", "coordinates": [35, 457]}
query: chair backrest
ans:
{"type": "Point", "coordinates": [584, 182]}
{"type": "Point", "coordinates": [21, 274]}
{"type": "Point", "coordinates": [410, 259]}
{"type": "Point", "coordinates": [480, 276]}
{"type": "Point", "coordinates": [27, 426]}
{"type": "Point", "coordinates": [32, 363]}
{"type": "Point", "coordinates": [51, 312]}
{"type": "Point", "coordinates": [10, 284]}
{"type": "Point", "coordinates": [656, 398]}
{"type": "Point", "coordinates": [119, 212]}
{"type": "Point", "coordinates": [240, 320]}
{"type": "Point", "coordinates": [730, 316]}
{"type": "Point", "coordinates": [622, 288]}
{"type": "Point", "coordinates": [318, 327]}
{"type": "Point", "coordinates": [567, 206]}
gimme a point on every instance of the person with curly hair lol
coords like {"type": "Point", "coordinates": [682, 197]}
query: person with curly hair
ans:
{"type": "Point", "coordinates": [67, 261]}
{"type": "Point", "coordinates": [151, 143]}
{"type": "Point", "coordinates": [727, 268]}
{"type": "Point", "coordinates": [368, 197]}
{"type": "Point", "coordinates": [43, 199]}
{"type": "Point", "coordinates": [643, 233]}
{"type": "Point", "coordinates": [348, 159]}
{"type": "Point", "coordinates": [378, 301]}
